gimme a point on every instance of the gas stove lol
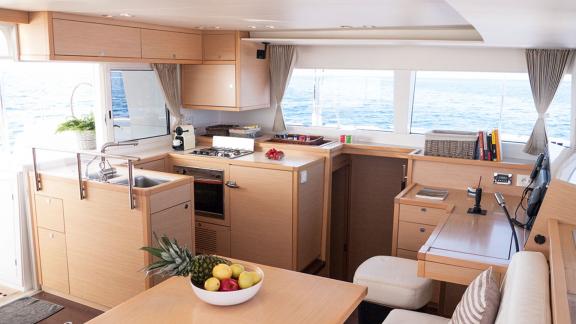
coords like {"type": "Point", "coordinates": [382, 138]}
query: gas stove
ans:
{"type": "Point", "coordinates": [228, 153]}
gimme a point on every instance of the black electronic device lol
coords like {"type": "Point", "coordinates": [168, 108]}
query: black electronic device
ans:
{"type": "Point", "coordinates": [477, 209]}
{"type": "Point", "coordinates": [537, 166]}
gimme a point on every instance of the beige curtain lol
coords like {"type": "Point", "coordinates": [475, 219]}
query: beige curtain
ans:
{"type": "Point", "coordinates": [545, 69]}
{"type": "Point", "coordinates": [168, 77]}
{"type": "Point", "coordinates": [282, 59]}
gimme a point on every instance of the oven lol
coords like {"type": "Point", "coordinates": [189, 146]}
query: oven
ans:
{"type": "Point", "coordinates": [208, 193]}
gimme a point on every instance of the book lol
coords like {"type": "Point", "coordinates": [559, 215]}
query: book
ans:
{"type": "Point", "coordinates": [480, 145]}
{"type": "Point", "coordinates": [488, 146]}
{"type": "Point", "coordinates": [430, 193]}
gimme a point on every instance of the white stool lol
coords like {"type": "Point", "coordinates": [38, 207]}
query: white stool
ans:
{"type": "Point", "coordinates": [393, 282]}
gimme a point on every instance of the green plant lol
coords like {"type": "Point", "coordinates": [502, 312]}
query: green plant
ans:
{"type": "Point", "coordinates": [85, 123]}
{"type": "Point", "coordinates": [179, 261]}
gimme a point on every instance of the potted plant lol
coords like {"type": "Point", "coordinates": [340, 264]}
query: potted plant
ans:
{"type": "Point", "coordinates": [85, 129]}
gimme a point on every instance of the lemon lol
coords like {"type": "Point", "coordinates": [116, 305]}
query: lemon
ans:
{"type": "Point", "coordinates": [245, 280]}
{"type": "Point", "coordinates": [237, 269]}
{"type": "Point", "coordinates": [212, 284]}
{"type": "Point", "coordinates": [222, 271]}
{"type": "Point", "coordinates": [255, 277]}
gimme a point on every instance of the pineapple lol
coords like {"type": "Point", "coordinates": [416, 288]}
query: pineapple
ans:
{"type": "Point", "coordinates": [179, 261]}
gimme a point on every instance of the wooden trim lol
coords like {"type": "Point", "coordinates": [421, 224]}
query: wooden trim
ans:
{"type": "Point", "coordinates": [295, 214]}
{"type": "Point", "coordinates": [219, 62]}
{"type": "Point", "coordinates": [80, 58]}
{"type": "Point", "coordinates": [418, 155]}
{"type": "Point", "coordinates": [225, 108]}
{"type": "Point", "coordinates": [558, 285]}
{"type": "Point", "coordinates": [14, 16]}
{"type": "Point", "coordinates": [76, 299]}
{"type": "Point", "coordinates": [32, 205]}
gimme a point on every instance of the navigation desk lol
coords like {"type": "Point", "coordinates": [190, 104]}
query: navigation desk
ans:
{"type": "Point", "coordinates": [462, 245]}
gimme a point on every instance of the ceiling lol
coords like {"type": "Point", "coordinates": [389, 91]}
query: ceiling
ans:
{"type": "Point", "coordinates": [502, 23]}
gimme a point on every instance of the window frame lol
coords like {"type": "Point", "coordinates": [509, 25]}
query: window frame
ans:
{"type": "Point", "coordinates": [105, 122]}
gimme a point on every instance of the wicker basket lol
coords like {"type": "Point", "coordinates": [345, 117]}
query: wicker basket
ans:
{"type": "Point", "coordinates": [454, 144]}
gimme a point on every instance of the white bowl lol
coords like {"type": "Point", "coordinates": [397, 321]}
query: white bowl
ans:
{"type": "Point", "coordinates": [228, 298]}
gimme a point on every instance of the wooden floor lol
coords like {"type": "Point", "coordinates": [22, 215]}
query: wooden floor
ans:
{"type": "Point", "coordinates": [73, 313]}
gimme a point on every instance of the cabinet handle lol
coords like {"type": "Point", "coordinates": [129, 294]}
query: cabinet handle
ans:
{"type": "Point", "coordinates": [232, 184]}
{"type": "Point", "coordinates": [423, 209]}
{"type": "Point", "coordinates": [186, 206]}
{"type": "Point", "coordinates": [422, 230]}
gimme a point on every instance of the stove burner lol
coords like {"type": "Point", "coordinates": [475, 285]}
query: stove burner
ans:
{"type": "Point", "coordinates": [221, 152]}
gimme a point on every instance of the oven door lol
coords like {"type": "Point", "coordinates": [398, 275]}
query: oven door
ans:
{"type": "Point", "coordinates": [209, 198]}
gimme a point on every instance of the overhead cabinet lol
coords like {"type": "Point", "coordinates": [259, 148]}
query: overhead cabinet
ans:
{"type": "Point", "coordinates": [59, 36]}
{"type": "Point", "coordinates": [231, 76]}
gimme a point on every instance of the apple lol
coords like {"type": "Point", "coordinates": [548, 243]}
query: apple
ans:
{"type": "Point", "coordinates": [237, 269]}
{"type": "Point", "coordinates": [229, 285]}
{"type": "Point", "coordinates": [245, 280]}
{"type": "Point", "coordinates": [212, 284]}
{"type": "Point", "coordinates": [222, 271]}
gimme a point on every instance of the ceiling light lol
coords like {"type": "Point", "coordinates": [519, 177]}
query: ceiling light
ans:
{"type": "Point", "coordinates": [252, 27]}
{"type": "Point", "coordinates": [107, 16]}
{"type": "Point", "coordinates": [346, 27]}
{"type": "Point", "coordinates": [217, 27]}
{"type": "Point", "coordinates": [270, 27]}
{"type": "Point", "coordinates": [127, 15]}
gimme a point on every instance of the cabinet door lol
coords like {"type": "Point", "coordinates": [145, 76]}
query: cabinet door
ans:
{"type": "Point", "coordinates": [171, 45]}
{"type": "Point", "coordinates": [261, 216]}
{"type": "Point", "coordinates": [49, 213]}
{"type": "Point", "coordinates": [156, 165]}
{"type": "Point", "coordinates": [92, 39]}
{"type": "Point", "coordinates": [220, 47]}
{"type": "Point", "coordinates": [176, 223]}
{"type": "Point", "coordinates": [209, 85]}
{"type": "Point", "coordinates": [53, 260]}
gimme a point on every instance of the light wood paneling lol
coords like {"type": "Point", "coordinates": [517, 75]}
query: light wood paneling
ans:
{"type": "Point", "coordinates": [171, 45]}
{"type": "Point", "coordinates": [53, 260]}
{"type": "Point", "coordinates": [96, 39]}
{"type": "Point", "coordinates": [309, 224]}
{"type": "Point", "coordinates": [156, 165]}
{"type": "Point", "coordinates": [285, 296]}
{"type": "Point", "coordinates": [14, 16]}
{"type": "Point", "coordinates": [169, 198]}
{"type": "Point", "coordinates": [219, 46]}
{"type": "Point", "coordinates": [375, 181]}
{"type": "Point", "coordinates": [261, 216]}
{"type": "Point", "coordinates": [406, 254]}
{"type": "Point", "coordinates": [209, 85]}
{"type": "Point", "coordinates": [212, 239]}
{"type": "Point", "coordinates": [412, 236]}
{"type": "Point", "coordinates": [420, 214]}
{"type": "Point", "coordinates": [49, 213]}
{"type": "Point", "coordinates": [339, 223]}
{"type": "Point", "coordinates": [254, 77]}
{"type": "Point", "coordinates": [34, 38]}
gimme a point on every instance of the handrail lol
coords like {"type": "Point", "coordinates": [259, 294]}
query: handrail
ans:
{"type": "Point", "coordinates": [78, 154]}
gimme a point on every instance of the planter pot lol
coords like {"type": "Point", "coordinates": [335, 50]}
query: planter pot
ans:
{"type": "Point", "coordinates": [86, 140]}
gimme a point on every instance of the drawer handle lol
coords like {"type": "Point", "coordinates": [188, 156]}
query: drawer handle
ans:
{"type": "Point", "coordinates": [422, 229]}
{"type": "Point", "coordinates": [423, 209]}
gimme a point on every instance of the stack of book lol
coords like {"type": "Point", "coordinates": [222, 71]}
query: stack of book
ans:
{"type": "Point", "coordinates": [489, 146]}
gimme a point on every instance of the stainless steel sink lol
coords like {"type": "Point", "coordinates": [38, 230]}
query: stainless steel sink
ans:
{"type": "Point", "coordinates": [142, 182]}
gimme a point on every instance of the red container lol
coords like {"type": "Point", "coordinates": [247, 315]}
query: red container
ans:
{"type": "Point", "coordinates": [342, 138]}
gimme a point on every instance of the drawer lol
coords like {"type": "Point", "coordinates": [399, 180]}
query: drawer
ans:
{"type": "Point", "coordinates": [413, 255]}
{"type": "Point", "coordinates": [49, 213]}
{"type": "Point", "coordinates": [53, 260]}
{"type": "Point", "coordinates": [412, 236]}
{"type": "Point", "coordinates": [420, 214]}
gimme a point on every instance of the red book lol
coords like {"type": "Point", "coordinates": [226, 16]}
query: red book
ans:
{"type": "Point", "coordinates": [481, 145]}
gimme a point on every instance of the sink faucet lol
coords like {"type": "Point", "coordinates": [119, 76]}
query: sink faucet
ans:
{"type": "Point", "coordinates": [107, 173]}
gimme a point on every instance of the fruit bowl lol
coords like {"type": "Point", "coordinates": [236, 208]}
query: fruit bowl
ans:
{"type": "Point", "coordinates": [228, 298]}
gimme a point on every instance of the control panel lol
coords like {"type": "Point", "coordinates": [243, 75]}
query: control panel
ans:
{"type": "Point", "coordinates": [503, 178]}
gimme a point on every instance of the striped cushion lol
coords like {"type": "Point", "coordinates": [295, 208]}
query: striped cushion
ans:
{"type": "Point", "coordinates": [480, 302]}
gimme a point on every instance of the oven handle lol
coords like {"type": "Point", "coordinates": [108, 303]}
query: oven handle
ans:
{"type": "Point", "coordinates": [208, 181]}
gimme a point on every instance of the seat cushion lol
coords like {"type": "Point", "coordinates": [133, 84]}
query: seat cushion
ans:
{"type": "Point", "coordinates": [394, 282]}
{"type": "Point", "coordinates": [400, 316]}
{"type": "Point", "coordinates": [480, 302]}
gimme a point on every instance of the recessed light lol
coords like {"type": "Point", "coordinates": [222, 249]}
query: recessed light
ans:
{"type": "Point", "coordinates": [107, 16]}
{"type": "Point", "coordinates": [252, 27]}
{"type": "Point", "coordinates": [346, 27]}
{"type": "Point", "coordinates": [217, 27]}
{"type": "Point", "coordinates": [369, 26]}
{"type": "Point", "coordinates": [127, 15]}
{"type": "Point", "coordinates": [270, 27]}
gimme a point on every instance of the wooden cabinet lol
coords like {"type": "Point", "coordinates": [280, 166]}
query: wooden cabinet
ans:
{"type": "Point", "coordinates": [413, 227]}
{"type": "Point", "coordinates": [262, 234]}
{"type": "Point", "coordinates": [91, 39]}
{"type": "Point", "coordinates": [156, 165]}
{"type": "Point", "coordinates": [53, 260]}
{"type": "Point", "coordinates": [231, 77]}
{"type": "Point", "coordinates": [219, 46]}
{"type": "Point", "coordinates": [171, 45]}
{"type": "Point", "coordinates": [50, 213]}
{"type": "Point", "coordinates": [275, 217]}
{"type": "Point", "coordinates": [212, 239]}
{"type": "Point", "coordinates": [69, 37]}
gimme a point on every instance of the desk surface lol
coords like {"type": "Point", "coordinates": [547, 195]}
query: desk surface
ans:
{"type": "Point", "coordinates": [285, 296]}
{"type": "Point", "coordinates": [462, 245]}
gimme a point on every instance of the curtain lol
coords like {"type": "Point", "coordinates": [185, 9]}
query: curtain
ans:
{"type": "Point", "coordinates": [545, 70]}
{"type": "Point", "coordinates": [282, 58]}
{"type": "Point", "coordinates": [168, 77]}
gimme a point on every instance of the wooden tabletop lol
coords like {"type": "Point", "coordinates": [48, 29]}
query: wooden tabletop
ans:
{"type": "Point", "coordinates": [286, 296]}
{"type": "Point", "coordinates": [462, 245]}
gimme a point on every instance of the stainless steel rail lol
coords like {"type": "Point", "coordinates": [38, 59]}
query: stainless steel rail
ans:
{"type": "Point", "coordinates": [129, 159]}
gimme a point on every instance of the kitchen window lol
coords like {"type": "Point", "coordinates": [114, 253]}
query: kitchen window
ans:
{"type": "Point", "coordinates": [138, 105]}
{"type": "Point", "coordinates": [482, 101]}
{"type": "Point", "coordinates": [347, 99]}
